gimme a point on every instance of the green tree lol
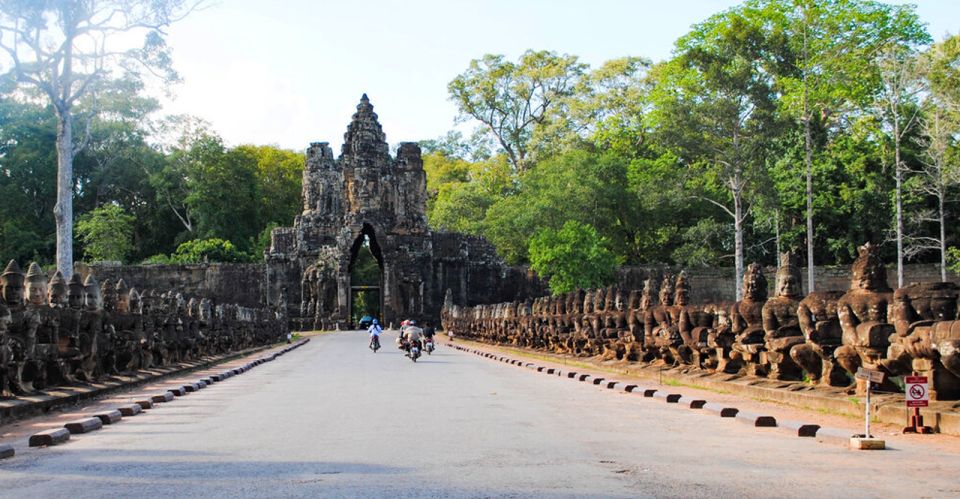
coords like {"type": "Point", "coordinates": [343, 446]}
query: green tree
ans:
{"type": "Point", "coordinates": [573, 257]}
{"type": "Point", "coordinates": [106, 233]}
{"type": "Point", "coordinates": [204, 251]}
{"type": "Point", "coordinates": [716, 107]}
{"type": "Point", "coordinates": [511, 99]}
{"type": "Point", "coordinates": [71, 50]}
{"type": "Point", "coordinates": [829, 75]}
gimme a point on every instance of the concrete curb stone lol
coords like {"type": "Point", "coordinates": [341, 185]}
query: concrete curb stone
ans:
{"type": "Point", "coordinates": [84, 425]}
{"type": "Point", "coordinates": [7, 451]}
{"type": "Point", "coordinates": [109, 417]}
{"type": "Point", "coordinates": [130, 410]}
{"type": "Point", "coordinates": [54, 436]}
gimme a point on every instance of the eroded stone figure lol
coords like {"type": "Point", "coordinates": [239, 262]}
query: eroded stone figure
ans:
{"type": "Point", "coordinates": [864, 317]}
{"type": "Point", "coordinates": [927, 337]}
{"type": "Point", "coordinates": [818, 319]}
{"type": "Point", "coordinates": [781, 324]}
{"type": "Point", "coordinates": [746, 318]}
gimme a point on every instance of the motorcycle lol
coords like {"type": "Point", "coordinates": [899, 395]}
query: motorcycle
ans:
{"type": "Point", "coordinates": [375, 344]}
{"type": "Point", "coordinates": [414, 351]}
{"type": "Point", "coordinates": [428, 346]}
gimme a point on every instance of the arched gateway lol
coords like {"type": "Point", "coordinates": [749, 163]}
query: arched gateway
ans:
{"type": "Point", "coordinates": [368, 195]}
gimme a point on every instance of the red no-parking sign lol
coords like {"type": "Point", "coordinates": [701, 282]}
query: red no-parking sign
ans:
{"type": "Point", "coordinates": [917, 391]}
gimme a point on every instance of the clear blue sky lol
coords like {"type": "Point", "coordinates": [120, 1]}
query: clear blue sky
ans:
{"type": "Point", "coordinates": [291, 72]}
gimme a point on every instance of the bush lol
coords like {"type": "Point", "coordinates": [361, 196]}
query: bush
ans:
{"type": "Point", "coordinates": [573, 257]}
{"type": "Point", "coordinates": [106, 233]}
{"type": "Point", "coordinates": [213, 250]}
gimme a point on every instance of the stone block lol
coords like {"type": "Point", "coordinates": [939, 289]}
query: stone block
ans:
{"type": "Point", "coordinates": [55, 436]}
{"type": "Point", "coordinates": [201, 384]}
{"type": "Point", "coordinates": [722, 410]}
{"type": "Point", "coordinates": [145, 404]}
{"type": "Point", "coordinates": [208, 381]}
{"type": "Point", "coordinates": [571, 375]}
{"type": "Point", "coordinates": [216, 378]}
{"type": "Point", "coordinates": [673, 398]}
{"type": "Point", "coordinates": [612, 384]}
{"type": "Point", "coordinates": [583, 377]}
{"type": "Point", "coordinates": [109, 417]}
{"type": "Point", "coordinates": [540, 369]}
{"type": "Point", "coordinates": [649, 392]}
{"type": "Point", "coordinates": [130, 410]}
{"type": "Point", "coordinates": [597, 381]}
{"type": "Point", "coordinates": [178, 391]}
{"type": "Point", "coordinates": [697, 404]}
{"type": "Point", "coordinates": [551, 370]}
{"type": "Point", "coordinates": [161, 398]}
{"type": "Point", "coordinates": [6, 451]}
{"type": "Point", "coordinates": [190, 388]}
{"type": "Point", "coordinates": [799, 429]}
{"type": "Point", "coordinates": [629, 388]}
{"type": "Point", "coordinates": [863, 443]}
{"type": "Point", "coordinates": [757, 420]}
{"type": "Point", "coordinates": [84, 425]}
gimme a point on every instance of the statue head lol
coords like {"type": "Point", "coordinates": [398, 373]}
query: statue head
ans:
{"type": "Point", "coordinates": [868, 270]}
{"type": "Point", "coordinates": [618, 303]}
{"type": "Point", "coordinates": [754, 283]}
{"type": "Point", "coordinates": [57, 292]}
{"type": "Point", "coordinates": [646, 296]}
{"type": "Point", "coordinates": [681, 296]}
{"type": "Point", "coordinates": [75, 292]}
{"type": "Point", "coordinates": [788, 277]}
{"type": "Point", "coordinates": [36, 285]}
{"type": "Point", "coordinates": [108, 295]}
{"type": "Point", "coordinates": [122, 297]}
{"type": "Point", "coordinates": [599, 299]}
{"type": "Point", "coordinates": [666, 290]}
{"type": "Point", "coordinates": [133, 301]}
{"type": "Point", "coordinates": [11, 282]}
{"type": "Point", "coordinates": [91, 294]}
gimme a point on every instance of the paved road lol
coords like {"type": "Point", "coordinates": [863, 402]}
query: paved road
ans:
{"type": "Point", "coordinates": [334, 419]}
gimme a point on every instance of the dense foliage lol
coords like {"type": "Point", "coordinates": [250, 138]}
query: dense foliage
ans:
{"type": "Point", "coordinates": [706, 158]}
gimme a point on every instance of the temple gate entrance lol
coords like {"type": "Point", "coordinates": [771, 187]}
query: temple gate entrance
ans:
{"type": "Point", "coordinates": [366, 277]}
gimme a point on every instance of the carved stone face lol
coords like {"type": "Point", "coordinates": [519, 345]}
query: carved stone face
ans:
{"type": "Point", "coordinates": [11, 284]}
{"type": "Point", "coordinates": [754, 284]}
{"type": "Point", "coordinates": [666, 292]}
{"type": "Point", "coordinates": [75, 292]}
{"type": "Point", "coordinates": [123, 303]}
{"type": "Point", "coordinates": [57, 292]}
{"type": "Point", "coordinates": [788, 286]}
{"type": "Point", "coordinates": [868, 270]}
{"type": "Point", "coordinates": [91, 294]}
{"type": "Point", "coordinates": [36, 290]}
{"type": "Point", "coordinates": [681, 297]}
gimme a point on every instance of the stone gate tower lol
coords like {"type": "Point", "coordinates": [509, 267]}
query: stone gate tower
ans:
{"type": "Point", "coordinates": [368, 193]}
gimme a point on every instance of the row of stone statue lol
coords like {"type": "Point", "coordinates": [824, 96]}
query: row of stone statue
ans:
{"type": "Point", "coordinates": [823, 337]}
{"type": "Point", "coordinates": [60, 332]}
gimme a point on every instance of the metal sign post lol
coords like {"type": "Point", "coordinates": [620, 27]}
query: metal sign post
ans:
{"type": "Point", "coordinates": [917, 395]}
{"type": "Point", "coordinates": [870, 376]}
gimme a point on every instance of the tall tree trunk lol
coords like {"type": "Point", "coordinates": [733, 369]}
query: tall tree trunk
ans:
{"type": "Point", "coordinates": [737, 191]}
{"type": "Point", "coordinates": [943, 237]}
{"type": "Point", "coordinates": [63, 210]}
{"type": "Point", "coordinates": [899, 175]}
{"type": "Point", "coordinates": [808, 163]}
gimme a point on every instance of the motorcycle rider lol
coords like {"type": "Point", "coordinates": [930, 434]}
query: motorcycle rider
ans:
{"type": "Point", "coordinates": [411, 337]}
{"type": "Point", "coordinates": [428, 332]}
{"type": "Point", "coordinates": [375, 331]}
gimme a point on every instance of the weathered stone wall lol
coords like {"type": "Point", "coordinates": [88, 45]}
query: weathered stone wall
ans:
{"type": "Point", "coordinates": [716, 284]}
{"type": "Point", "coordinates": [240, 283]}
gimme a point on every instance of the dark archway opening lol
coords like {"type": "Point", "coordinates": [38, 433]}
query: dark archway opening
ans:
{"type": "Point", "coordinates": [366, 277]}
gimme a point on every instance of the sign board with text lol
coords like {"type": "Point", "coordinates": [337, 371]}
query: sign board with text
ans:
{"type": "Point", "coordinates": [870, 374]}
{"type": "Point", "coordinates": [916, 391]}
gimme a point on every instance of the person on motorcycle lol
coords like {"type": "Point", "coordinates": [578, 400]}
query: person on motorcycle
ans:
{"type": "Point", "coordinates": [428, 331]}
{"type": "Point", "coordinates": [375, 331]}
{"type": "Point", "coordinates": [411, 337]}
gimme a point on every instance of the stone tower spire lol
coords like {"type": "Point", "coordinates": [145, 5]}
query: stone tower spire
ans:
{"type": "Point", "coordinates": [364, 135]}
